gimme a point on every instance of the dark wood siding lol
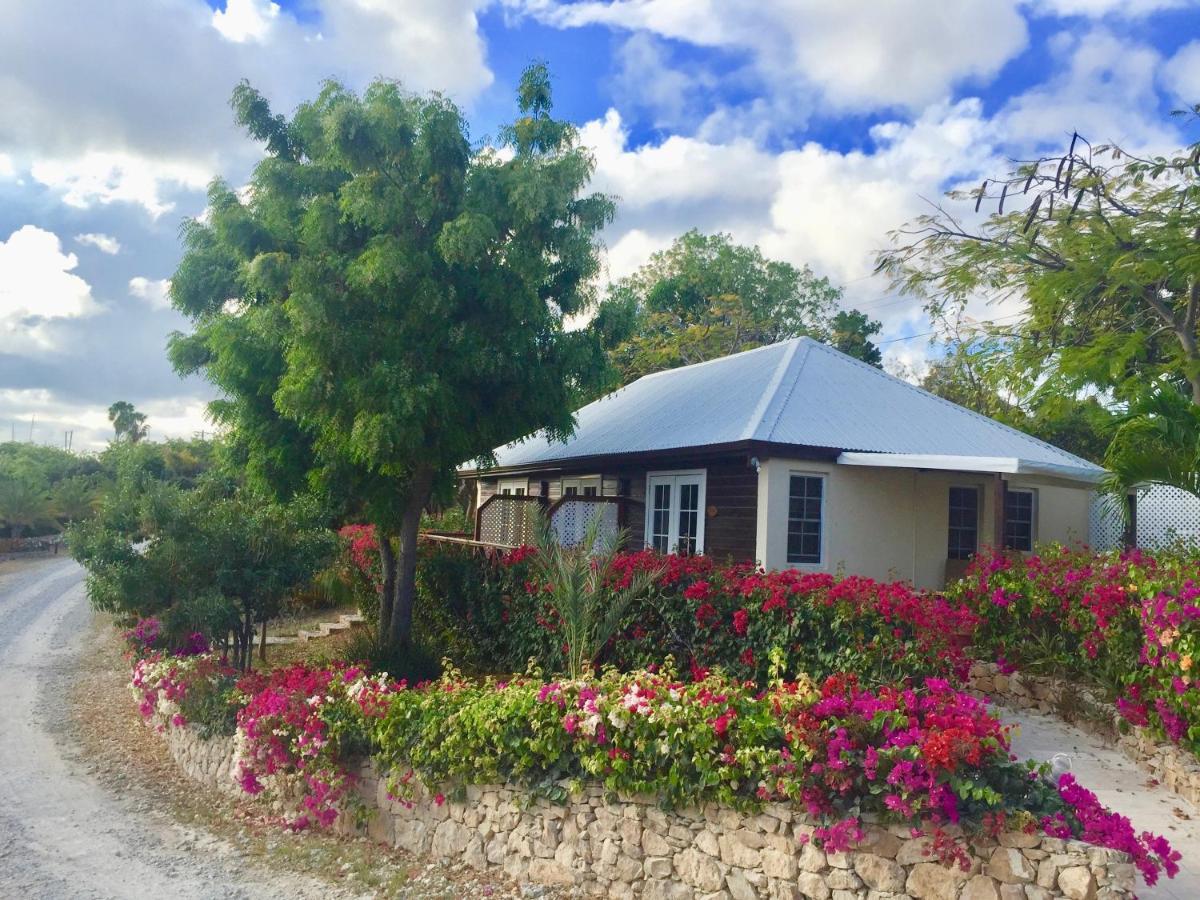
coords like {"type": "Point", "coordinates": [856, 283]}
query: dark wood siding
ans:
{"type": "Point", "coordinates": [731, 494]}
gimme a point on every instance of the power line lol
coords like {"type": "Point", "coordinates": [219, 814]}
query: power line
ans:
{"type": "Point", "coordinates": [913, 337]}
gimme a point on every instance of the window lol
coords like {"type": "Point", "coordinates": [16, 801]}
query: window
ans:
{"type": "Point", "coordinates": [806, 506]}
{"type": "Point", "coordinates": [674, 512]}
{"type": "Point", "coordinates": [1019, 509]}
{"type": "Point", "coordinates": [581, 486]}
{"type": "Point", "coordinates": [513, 487]}
{"type": "Point", "coordinates": [964, 523]}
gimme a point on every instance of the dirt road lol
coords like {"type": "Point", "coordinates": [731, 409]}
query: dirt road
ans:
{"type": "Point", "coordinates": [62, 833]}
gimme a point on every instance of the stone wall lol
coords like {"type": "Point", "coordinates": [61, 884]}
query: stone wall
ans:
{"type": "Point", "coordinates": [1174, 767]}
{"type": "Point", "coordinates": [629, 847]}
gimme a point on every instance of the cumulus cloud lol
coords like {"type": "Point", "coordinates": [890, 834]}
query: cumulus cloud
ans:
{"type": "Point", "coordinates": [853, 55]}
{"type": "Point", "coordinates": [153, 292]}
{"type": "Point", "coordinates": [245, 20]}
{"type": "Point", "coordinates": [102, 242]}
{"type": "Point", "coordinates": [38, 286]}
{"type": "Point", "coordinates": [146, 86]}
{"type": "Point", "coordinates": [1095, 9]}
{"type": "Point", "coordinates": [1181, 74]}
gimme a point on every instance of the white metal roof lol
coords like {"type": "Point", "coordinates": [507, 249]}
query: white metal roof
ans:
{"type": "Point", "coordinates": [803, 393]}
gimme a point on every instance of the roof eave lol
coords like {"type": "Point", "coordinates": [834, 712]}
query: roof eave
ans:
{"type": "Point", "coordinates": [1009, 465]}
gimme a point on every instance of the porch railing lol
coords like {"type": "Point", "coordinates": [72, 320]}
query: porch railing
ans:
{"type": "Point", "coordinates": [508, 520]}
{"type": "Point", "coordinates": [571, 516]}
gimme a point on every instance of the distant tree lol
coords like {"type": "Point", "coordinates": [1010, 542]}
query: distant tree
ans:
{"type": "Point", "coordinates": [388, 302]}
{"type": "Point", "coordinates": [851, 331]}
{"type": "Point", "coordinates": [24, 502]}
{"type": "Point", "coordinates": [705, 297]}
{"type": "Point", "coordinates": [74, 499]}
{"type": "Point", "coordinates": [128, 424]}
{"type": "Point", "coordinates": [1101, 245]}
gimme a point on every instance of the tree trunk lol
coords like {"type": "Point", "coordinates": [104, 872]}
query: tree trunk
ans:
{"type": "Point", "coordinates": [406, 575]}
{"type": "Point", "coordinates": [262, 644]}
{"type": "Point", "coordinates": [387, 594]}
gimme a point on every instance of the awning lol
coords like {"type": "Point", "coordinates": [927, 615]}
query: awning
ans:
{"type": "Point", "coordinates": [1009, 465]}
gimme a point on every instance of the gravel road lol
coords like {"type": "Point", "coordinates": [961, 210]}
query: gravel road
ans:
{"type": "Point", "coordinates": [62, 833]}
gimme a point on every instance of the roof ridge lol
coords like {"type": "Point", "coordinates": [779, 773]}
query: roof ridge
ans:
{"type": "Point", "coordinates": [807, 344]}
{"type": "Point", "coordinates": [942, 400]}
{"type": "Point", "coordinates": [770, 389]}
{"type": "Point", "coordinates": [709, 362]}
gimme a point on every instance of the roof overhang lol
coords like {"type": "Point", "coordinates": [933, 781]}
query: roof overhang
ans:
{"type": "Point", "coordinates": [1008, 465]}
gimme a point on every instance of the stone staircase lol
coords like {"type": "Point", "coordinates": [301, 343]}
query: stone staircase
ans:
{"type": "Point", "coordinates": [324, 629]}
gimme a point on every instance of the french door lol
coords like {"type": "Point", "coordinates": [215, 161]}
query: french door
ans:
{"type": "Point", "coordinates": [675, 512]}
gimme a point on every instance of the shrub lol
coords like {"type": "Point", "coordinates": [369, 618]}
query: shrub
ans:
{"type": "Point", "coordinates": [1128, 622]}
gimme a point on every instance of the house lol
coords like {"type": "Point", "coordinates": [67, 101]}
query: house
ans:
{"type": "Point", "coordinates": [793, 454]}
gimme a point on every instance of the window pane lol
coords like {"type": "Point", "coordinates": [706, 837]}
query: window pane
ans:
{"type": "Point", "coordinates": [1018, 520]}
{"type": "Point", "coordinates": [963, 538]}
{"type": "Point", "coordinates": [804, 519]}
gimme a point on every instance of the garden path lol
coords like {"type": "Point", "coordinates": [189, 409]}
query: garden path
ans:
{"type": "Point", "coordinates": [62, 835]}
{"type": "Point", "coordinates": [1122, 786]}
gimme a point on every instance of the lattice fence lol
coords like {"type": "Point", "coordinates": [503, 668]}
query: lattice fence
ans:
{"type": "Point", "coordinates": [571, 519]}
{"type": "Point", "coordinates": [1164, 515]}
{"type": "Point", "coordinates": [509, 521]}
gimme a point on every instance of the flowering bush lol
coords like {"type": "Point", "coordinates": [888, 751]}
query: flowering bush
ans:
{"type": "Point", "coordinates": [1127, 621]}
{"type": "Point", "coordinates": [296, 729]}
{"type": "Point", "coordinates": [193, 688]}
{"type": "Point", "coordinates": [749, 623]}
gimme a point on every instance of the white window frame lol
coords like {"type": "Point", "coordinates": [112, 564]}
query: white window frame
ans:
{"type": "Point", "coordinates": [787, 518]}
{"type": "Point", "coordinates": [701, 500]}
{"type": "Point", "coordinates": [513, 487]}
{"type": "Point", "coordinates": [579, 482]}
{"type": "Point", "coordinates": [1033, 515]}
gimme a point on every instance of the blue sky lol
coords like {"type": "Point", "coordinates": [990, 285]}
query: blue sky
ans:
{"type": "Point", "coordinates": [808, 127]}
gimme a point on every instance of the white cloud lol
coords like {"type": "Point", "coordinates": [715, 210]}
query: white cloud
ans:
{"type": "Point", "coordinates": [153, 292]}
{"type": "Point", "coordinates": [7, 167]}
{"type": "Point", "coordinates": [855, 55]}
{"type": "Point", "coordinates": [1104, 89]}
{"type": "Point", "coordinates": [1095, 9]}
{"type": "Point", "coordinates": [103, 178]}
{"type": "Point", "coordinates": [136, 95]}
{"type": "Point", "coordinates": [102, 242]}
{"type": "Point", "coordinates": [38, 286]}
{"type": "Point", "coordinates": [245, 20]}
{"type": "Point", "coordinates": [1181, 74]}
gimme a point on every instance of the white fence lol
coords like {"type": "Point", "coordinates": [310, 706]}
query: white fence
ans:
{"type": "Point", "coordinates": [1164, 515]}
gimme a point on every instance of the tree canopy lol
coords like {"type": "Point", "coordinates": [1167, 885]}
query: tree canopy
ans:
{"type": "Point", "coordinates": [128, 424]}
{"type": "Point", "coordinates": [705, 297]}
{"type": "Point", "coordinates": [1099, 246]}
{"type": "Point", "coordinates": [388, 301]}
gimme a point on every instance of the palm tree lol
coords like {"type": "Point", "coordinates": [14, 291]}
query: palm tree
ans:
{"type": "Point", "coordinates": [23, 503]}
{"type": "Point", "coordinates": [128, 423]}
{"type": "Point", "coordinates": [1157, 441]}
{"type": "Point", "coordinates": [74, 498]}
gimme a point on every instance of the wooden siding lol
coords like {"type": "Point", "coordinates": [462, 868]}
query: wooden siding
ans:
{"type": "Point", "coordinates": [731, 491]}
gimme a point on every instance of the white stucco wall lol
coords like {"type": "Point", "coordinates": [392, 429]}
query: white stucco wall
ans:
{"type": "Point", "coordinates": [892, 523]}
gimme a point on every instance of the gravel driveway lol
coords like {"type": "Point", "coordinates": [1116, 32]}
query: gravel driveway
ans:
{"type": "Point", "coordinates": [62, 834]}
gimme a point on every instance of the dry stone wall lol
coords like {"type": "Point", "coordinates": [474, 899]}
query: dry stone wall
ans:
{"type": "Point", "coordinates": [629, 847]}
{"type": "Point", "coordinates": [1176, 768]}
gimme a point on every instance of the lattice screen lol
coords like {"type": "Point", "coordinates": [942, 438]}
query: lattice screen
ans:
{"type": "Point", "coordinates": [509, 521]}
{"type": "Point", "coordinates": [1165, 515]}
{"type": "Point", "coordinates": [1106, 527]}
{"type": "Point", "coordinates": [570, 521]}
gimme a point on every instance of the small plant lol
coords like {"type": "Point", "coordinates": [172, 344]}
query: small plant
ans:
{"type": "Point", "coordinates": [583, 587]}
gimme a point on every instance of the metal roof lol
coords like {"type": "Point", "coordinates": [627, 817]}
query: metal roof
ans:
{"type": "Point", "coordinates": [798, 392]}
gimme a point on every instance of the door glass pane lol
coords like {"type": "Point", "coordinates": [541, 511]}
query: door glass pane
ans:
{"type": "Point", "coordinates": [660, 518]}
{"type": "Point", "coordinates": [689, 518]}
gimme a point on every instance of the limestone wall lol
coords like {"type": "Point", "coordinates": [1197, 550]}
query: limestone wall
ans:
{"type": "Point", "coordinates": [1174, 767]}
{"type": "Point", "coordinates": [630, 848]}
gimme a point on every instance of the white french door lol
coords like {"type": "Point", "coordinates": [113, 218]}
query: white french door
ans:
{"type": "Point", "coordinates": [675, 512]}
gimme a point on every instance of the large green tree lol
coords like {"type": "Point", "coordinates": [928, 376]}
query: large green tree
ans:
{"type": "Point", "coordinates": [1102, 249]}
{"type": "Point", "coordinates": [705, 297]}
{"type": "Point", "coordinates": [387, 301]}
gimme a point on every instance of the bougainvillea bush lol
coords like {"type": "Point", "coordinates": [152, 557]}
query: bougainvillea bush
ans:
{"type": "Point", "coordinates": [923, 755]}
{"type": "Point", "coordinates": [1126, 621]}
{"type": "Point", "coordinates": [748, 623]}
{"type": "Point", "coordinates": [191, 686]}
